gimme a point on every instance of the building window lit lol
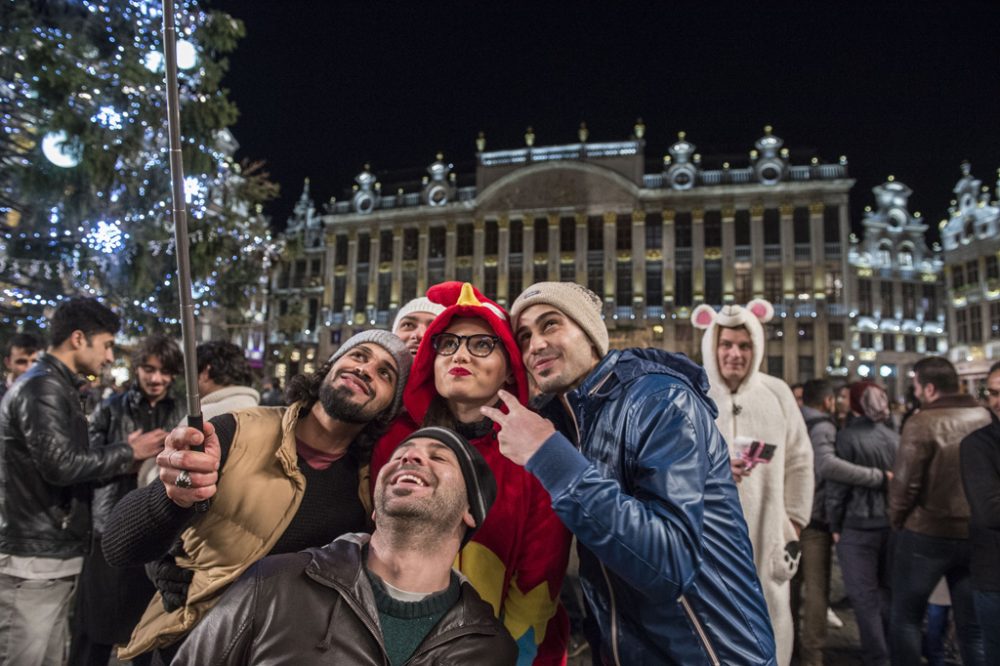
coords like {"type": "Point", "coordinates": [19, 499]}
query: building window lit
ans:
{"type": "Point", "coordinates": [623, 232]}
{"type": "Point", "coordinates": [975, 323]}
{"type": "Point", "coordinates": [800, 225]}
{"type": "Point", "coordinates": [516, 237]}
{"type": "Point", "coordinates": [595, 233]}
{"type": "Point", "coordinates": [436, 246]}
{"type": "Point", "coordinates": [992, 269]}
{"type": "Point", "coordinates": [865, 296]}
{"type": "Point", "coordinates": [772, 227]}
{"type": "Point", "coordinates": [464, 240]}
{"type": "Point", "coordinates": [957, 277]}
{"type": "Point", "coordinates": [682, 230]}
{"type": "Point", "coordinates": [567, 234]}
{"type": "Point", "coordinates": [741, 227]}
{"type": "Point", "coordinates": [411, 244]}
{"type": "Point", "coordinates": [909, 300]}
{"type": "Point", "coordinates": [491, 240]}
{"type": "Point", "coordinates": [541, 235]}
{"type": "Point", "coordinates": [886, 289]}
{"type": "Point", "coordinates": [654, 232]}
{"type": "Point", "coordinates": [962, 326]}
{"type": "Point", "coordinates": [385, 246]}
{"type": "Point", "coordinates": [972, 273]}
{"type": "Point", "coordinates": [713, 228]}
{"type": "Point", "coordinates": [772, 285]}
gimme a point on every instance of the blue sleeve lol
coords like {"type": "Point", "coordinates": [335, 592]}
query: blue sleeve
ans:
{"type": "Point", "coordinates": [650, 536]}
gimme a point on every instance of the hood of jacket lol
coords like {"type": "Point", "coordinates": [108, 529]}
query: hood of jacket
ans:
{"type": "Point", "coordinates": [231, 392]}
{"type": "Point", "coordinates": [753, 317]}
{"type": "Point", "coordinates": [460, 300]}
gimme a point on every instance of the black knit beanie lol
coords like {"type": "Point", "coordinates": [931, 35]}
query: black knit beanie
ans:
{"type": "Point", "coordinates": [480, 485]}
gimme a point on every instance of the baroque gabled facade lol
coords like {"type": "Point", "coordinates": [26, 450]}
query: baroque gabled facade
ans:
{"type": "Point", "coordinates": [653, 239]}
{"type": "Point", "coordinates": [898, 313]}
{"type": "Point", "coordinates": [971, 240]}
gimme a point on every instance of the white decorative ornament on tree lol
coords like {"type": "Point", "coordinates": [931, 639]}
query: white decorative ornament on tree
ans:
{"type": "Point", "coordinates": [187, 55]}
{"type": "Point", "coordinates": [58, 150]}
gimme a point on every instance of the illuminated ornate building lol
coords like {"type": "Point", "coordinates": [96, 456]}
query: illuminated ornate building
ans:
{"type": "Point", "coordinates": [971, 239]}
{"type": "Point", "coordinates": [897, 307]}
{"type": "Point", "coordinates": [654, 239]}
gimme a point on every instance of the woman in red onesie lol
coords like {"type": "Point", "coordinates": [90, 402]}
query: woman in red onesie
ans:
{"type": "Point", "coordinates": [517, 559]}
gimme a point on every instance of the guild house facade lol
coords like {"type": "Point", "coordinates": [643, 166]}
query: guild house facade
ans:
{"type": "Point", "coordinates": [654, 238]}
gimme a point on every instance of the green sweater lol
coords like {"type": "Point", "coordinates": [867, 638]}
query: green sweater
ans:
{"type": "Point", "coordinates": [406, 624]}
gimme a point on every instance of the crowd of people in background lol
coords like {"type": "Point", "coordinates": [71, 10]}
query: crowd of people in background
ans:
{"type": "Point", "coordinates": [414, 500]}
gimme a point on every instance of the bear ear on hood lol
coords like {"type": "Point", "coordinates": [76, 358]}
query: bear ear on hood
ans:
{"type": "Point", "coordinates": [761, 309]}
{"type": "Point", "coordinates": [703, 316]}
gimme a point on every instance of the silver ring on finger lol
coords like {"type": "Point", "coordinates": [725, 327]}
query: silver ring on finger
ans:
{"type": "Point", "coordinates": [183, 479]}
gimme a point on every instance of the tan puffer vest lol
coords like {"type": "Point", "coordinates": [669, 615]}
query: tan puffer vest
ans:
{"type": "Point", "coordinates": [259, 493]}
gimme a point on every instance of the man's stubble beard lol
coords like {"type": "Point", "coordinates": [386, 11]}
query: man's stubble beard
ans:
{"type": "Point", "coordinates": [424, 523]}
{"type": "Point", "coordinates": [337, 404]}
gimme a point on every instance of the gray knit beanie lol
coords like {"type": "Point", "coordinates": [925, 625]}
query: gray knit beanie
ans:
{"type": "Point", "coordinates": [575, 301]}
{"type": "Point", "coordinates": [398, 351]}
{"type": "Point", "coordinates": [480, 484]}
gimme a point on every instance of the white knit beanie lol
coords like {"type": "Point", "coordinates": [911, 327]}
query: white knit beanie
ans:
{"type": "Point", "coordinates": [421, 304]}
{"type": "Point", "coordinates": [575, 301]}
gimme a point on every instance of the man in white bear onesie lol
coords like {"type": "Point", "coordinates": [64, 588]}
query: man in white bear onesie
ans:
{"type": "Point", "coordinates": [776, 496]}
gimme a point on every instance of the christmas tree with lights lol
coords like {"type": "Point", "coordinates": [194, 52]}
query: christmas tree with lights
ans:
{"type": "Point", "coordinates": [84, 171]}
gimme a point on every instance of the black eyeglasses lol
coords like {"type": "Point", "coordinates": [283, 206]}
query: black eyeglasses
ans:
{"type": "Point", "coordinates": [480, 345]}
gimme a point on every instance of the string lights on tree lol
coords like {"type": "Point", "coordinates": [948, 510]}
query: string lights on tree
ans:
{"type": "Point", "coordinates": [84, 181]}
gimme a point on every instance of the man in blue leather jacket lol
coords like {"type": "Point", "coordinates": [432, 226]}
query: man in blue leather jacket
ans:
{"type": "Point", "coordinates": [639, 473]}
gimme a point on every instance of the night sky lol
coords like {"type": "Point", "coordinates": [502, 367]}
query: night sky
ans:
{"type": "Point", "coordinates": [324, 87]}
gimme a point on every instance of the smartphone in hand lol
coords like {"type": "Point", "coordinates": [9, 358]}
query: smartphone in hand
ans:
{"type": "Point", "coordinates": [758, 452]}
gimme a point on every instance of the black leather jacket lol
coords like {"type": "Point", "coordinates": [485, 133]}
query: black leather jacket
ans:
{"type": "Point", "coordinates": [317, 607]}
{"type": "Point", "coordinates": [45, 464]}
{"type": "Point", "coordinates": [111, 424]}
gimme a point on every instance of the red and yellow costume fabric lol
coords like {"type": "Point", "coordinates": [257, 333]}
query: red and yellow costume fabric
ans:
{"type": "Point", "coordinates": [517, 559]}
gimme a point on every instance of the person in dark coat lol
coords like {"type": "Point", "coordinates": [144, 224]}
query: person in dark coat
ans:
{"type": "Point", "coordinates": [392, 598]}
{"type": "Point", "coordinates": [46, 466]}
{"type": "Point", "coordinates": [980, 460]}
{"type": "Point", "coordinates": [111, 600]}
{"type": "Point", "coordinates": [859, 520]}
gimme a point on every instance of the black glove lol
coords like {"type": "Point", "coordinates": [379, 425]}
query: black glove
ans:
{"type": "Point", "coordinates": [171, 581]}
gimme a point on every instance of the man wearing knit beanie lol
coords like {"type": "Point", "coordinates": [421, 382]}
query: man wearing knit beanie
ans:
{"type": "Point", "coordinates": [400, 355]}
{"type": "Point", "coordinates": [363, 598]}
{"type": "Point", "coordinates": [271, 475]}
{"type": "Point", "coordinates": [640, 474]}
{"type": "Point", "coordinates": [413, 319]}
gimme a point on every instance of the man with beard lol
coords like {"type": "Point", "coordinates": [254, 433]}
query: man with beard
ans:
{"type": "Point", "coordinates": [404, 602]}
{"type": "Point", "coordinates": [110, 600]}
{"type": "Point", "coordinates": [930, 512]}
{"type": "Point", "coordinates": [272, 474]}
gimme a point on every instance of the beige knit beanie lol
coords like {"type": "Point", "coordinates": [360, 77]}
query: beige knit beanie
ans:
{"type": "Point", "coordinates": [419, 304]}
{"type": "Point", "coordinates": [575, 301]}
